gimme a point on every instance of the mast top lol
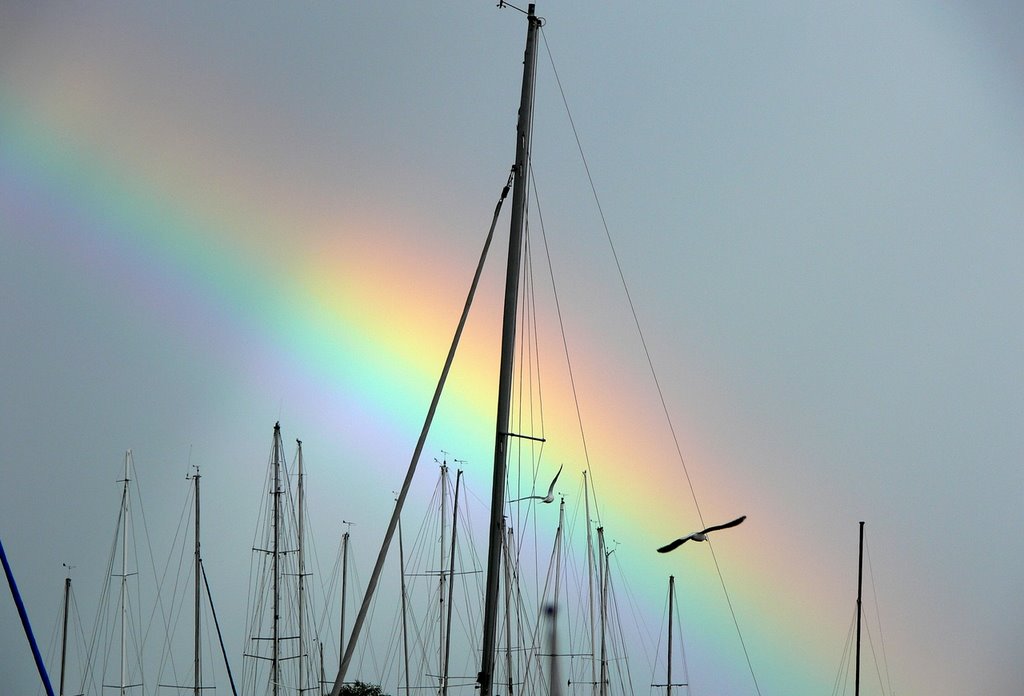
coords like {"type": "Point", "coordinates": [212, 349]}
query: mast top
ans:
{"type": "Point", "coordinates": [530, 9]}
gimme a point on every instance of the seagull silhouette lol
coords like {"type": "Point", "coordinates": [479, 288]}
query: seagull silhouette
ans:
{"type": "Point", "coordinates": [550, 497]}
{"type": "Point", "coordinates": [699, 536]}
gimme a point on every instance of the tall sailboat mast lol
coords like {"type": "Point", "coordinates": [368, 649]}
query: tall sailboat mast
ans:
{"type": "Point", "coordinates": [451, 585]}
{"type": "Point", "coordinates": [524, 132]}
{"type": "Point", "coordinates": [590, 584]}
{"type": "Point", "coordinates": [275, 664]}
{"type": "Point", "coordinates": [124, 573]}
{"type": "Point", "coordinates": [860, 579]}
{"type": "Point", "coordinates": [603, 560]}
{"type": "Point", "coordinates": [197, 685]}
{"type": "Point", "coordinates": [668, 660]}
{"type": "Point", "coordinates": [441, 581]}
{"type": "Point", "coordinates": [671, 598]}
{"type": "Point", "coordinates": [302, 571]}
{"type": "Point", "coordinates": [405, 627]}
{"type": "Point", "coordinates": [344, 587]}
{"type": "Point", "coordinates": [558, 557]}
{"type": "Point", "coordinates": [507, 535]}
{"type": "Point", "coordinates": [64, 632]}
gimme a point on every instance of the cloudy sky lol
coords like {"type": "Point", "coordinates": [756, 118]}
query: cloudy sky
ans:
{"type": "Point", "coordinates": [217, 217]}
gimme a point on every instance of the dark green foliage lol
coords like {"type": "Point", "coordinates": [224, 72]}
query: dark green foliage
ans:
{"type": "Point", "coordinates": [359, 688]}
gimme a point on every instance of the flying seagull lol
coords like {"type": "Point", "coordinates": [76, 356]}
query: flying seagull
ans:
{"type": "Point", "coordinates": [699, 536]}
{"type": "Point", "coordinates": [550, 497]}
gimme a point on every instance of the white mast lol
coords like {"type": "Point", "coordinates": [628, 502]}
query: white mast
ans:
{"type": "Point", "coordinates": [443, 687]}
{"type": "Point", "coordinates": [344, 584]}
{"type": "Point", "coordinates": [302, 573]}
{"type": "Point", "coordinates": [124, 571]}
{"type": "Point", "coordinates": [558, 554]}
{"type": "Point", "coordinates": [508, 546]}
{"type": "Point", "coordinates": [590, 583]}
{"type": "Point", "coordinates": [275, 664]}
{"type": "Point", "coordinates": [604, 610]}
{"type": "Point", "coordinates": [197, 684]}
{"type": "Point", "coordinates": [671, 597]}
{"type": "Point", "coordinates": [405, 628]}
{"type": "Point", "coordinates": [451, 586]}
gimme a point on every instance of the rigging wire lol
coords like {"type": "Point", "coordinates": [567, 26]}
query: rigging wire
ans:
{"type": "Point", "coordinates": [291, 667]}
{"type": "Point", "coordinates": [650, 362]}
{"type": "Point", "coordinates": [103, 633]}
{"type": "Point", "coordinates": [625, 675]}
{"type": "Point", "coordinates": [166, 653]}
{"type": "Point", "coordinates": [878, 618]}
{"type": "Point", "coordinates": [874, 657]}
{"type": "Point", "coordinates": [572, 382]}
{"type": "Point", "coordinates": [152, 563]}
{"type": "Point", "coordinates": [528, 351]}
{"type": "Point", "coordinates": [843, 670]}
{"type": "Point", "coordinates": [565, 344]}
{"type": "Point", "coordinates": [657, 648]}
{"type": "Point", "coordinates": [682, 647]}
{"type": "Point", "coordinates": [101, 607]}
{"type": "Point", "coordinates": [640, 630]}
{"type": "Point", "coordinates": [81, 631]}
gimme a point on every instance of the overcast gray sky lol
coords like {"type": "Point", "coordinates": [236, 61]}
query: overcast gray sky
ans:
{"type": "Point", "coordinates": [215, 217]}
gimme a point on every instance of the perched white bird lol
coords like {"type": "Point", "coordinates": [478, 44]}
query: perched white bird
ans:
{"type": "Point", "coordinates": [699, 536]}
{"type": "Point", "coordinates": [550, 497]}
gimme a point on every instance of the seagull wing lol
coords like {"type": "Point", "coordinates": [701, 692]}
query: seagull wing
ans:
{"type": "Point", "coordinates": [543, 498]}
{"type": "Point", "coordinates": [528, 497]}
{"type": "Point", "coordinates": [726, 525]}
{"type": "Point", "coordinates": [551, 488]}
{"type": "Point", "coordinates": [674, 545]}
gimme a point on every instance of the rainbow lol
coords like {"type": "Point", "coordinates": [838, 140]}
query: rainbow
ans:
{"type": "Point", "coordinates": [374, 350]}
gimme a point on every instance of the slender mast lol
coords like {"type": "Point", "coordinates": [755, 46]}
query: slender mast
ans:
{"type": "Point", "coordinates": [860, 578]}
{"type": "Point", "coordinates": [555, 681]}
{"type": "Point", "coordinates": [671, 596]}
{"type": "Point", "coordinates": [552, 609]}
{"type": "Point", "coordinates": [405, 627]}
{"type": "Point", "coordinates": [558, 556]}
{"type": "Point", "coordinates": [198, 570]}
{"type": "Point", "coordinates": [590, 581]}
{"type": "Point", "coordinates": [64, 632]}
{"type": "Point", "coordinates": [440, 579]}
{"type": "Point", "coordinates": [302, 572]}
{"type": "Point", "coordinates": [507, 554]}
{"type": "Point", "coordinates": [275, 641]}
{"type": "Point", "coordinates": [124, 569]}
{"type": "Point", "coordinates": [603, 687]}
{"type": "Point", "coordinates": [451, 585]}
{"type": "Point", "coordinates": [508, 337]}
{"type": "Point", "coordinates": [344, 584]}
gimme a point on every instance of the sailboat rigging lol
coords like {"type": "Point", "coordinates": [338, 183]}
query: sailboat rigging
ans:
{"type": "Point", "coordinates": [518, 218]}
{"type": "Point", "coordinates": [668, 658]}
{"type": "Point", "coordinates": [283, 660]}
{"type": "Point", "coordinates": [501, 561]}
{"type": "Point", "coordinates": [129, 672]}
